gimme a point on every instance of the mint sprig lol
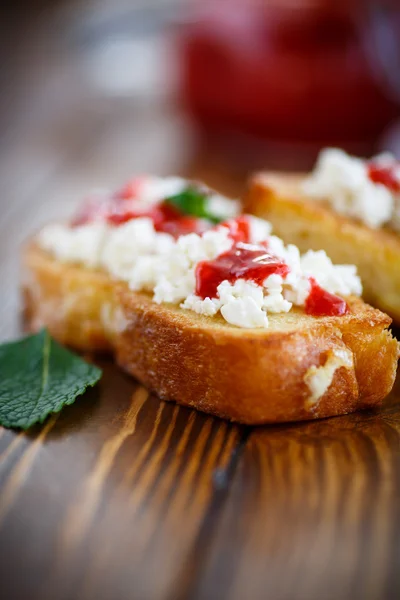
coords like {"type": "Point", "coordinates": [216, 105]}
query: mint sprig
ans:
{"type": "Point", "coordinates": [39, 377]}
{"type": "Point", "coordinates": [193, 202]}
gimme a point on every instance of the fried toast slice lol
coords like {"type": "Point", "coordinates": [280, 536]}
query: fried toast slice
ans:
{"type": "Point", "coordinates": [301, 367]}
{"type": "Point", "coordinates": [76, 304]}
{"type": "Point", "coordinates": [311, 224]}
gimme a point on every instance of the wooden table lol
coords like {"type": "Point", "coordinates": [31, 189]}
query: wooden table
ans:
{"type": "Point", "coordinates": [122, 496]}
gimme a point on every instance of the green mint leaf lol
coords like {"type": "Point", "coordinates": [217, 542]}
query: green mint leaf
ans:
{"type": "Point", "coordinates": [39, 377]}
{"type": "Point", "coordinates": [193, 202]}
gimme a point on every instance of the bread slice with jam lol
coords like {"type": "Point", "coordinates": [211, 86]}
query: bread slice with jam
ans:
{"type": "Point", "coordinates": [294, 365]}
{"type": "Point", "coordinates": [312, 222]}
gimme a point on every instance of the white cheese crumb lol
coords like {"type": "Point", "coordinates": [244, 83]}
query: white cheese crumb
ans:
{"type": "Point", "coordinates": [260, 230]}
{"type": "Point", "coordinates": [173, 275]}
{"type": "Point", "coordinates": [336, 279]}
{"type": "Point", "coordinates": [82, 245]}
{"type": "Point", "coordinates": [208, 307]}
{"type": "Point", "coordinates": [274, 301]}
{"type": "Point", "coordinates": [240, 289]}
{"type": "Point", "coordinates": [242, 303]}
{"type": "Point", "coordinates": [129, 241]}
{"type": "Point", "coordinates": [155, 189]}
{"type": "Point", "coordinates": [156, 262]}
{"type": "Point", "coordinates": [296, 288]}
{"type": "Point", "coordinates": [319, 379]}
{"type": "Point", "coordinates": [244, 312]}
{"type": "Point", "coordinates": [222, 207]}
{"type": "Point", "coordinates": [343, 181]}
{"type": "Point", "coordinates": [144, 273]}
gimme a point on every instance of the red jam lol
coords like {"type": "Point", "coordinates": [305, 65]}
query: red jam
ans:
{"type": "Point", "coordinates": [168, 219]}
{"type": "Point", "coordinates": [239, 229]}
{"type": "Point", "coordinates": [321, 303]}
{"type": "Point", "coordinates": [240, 262]}
{"type": "Point", "coordinates": [386, 174]}
{"type": "Point", "coordinates": [131, 189]}
{"type": "Point", "coordinates": [122, 207]}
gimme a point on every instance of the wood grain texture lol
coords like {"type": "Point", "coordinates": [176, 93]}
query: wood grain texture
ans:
{"type": "Point", "coordinates": [122, 496]}
{"type": "Point", "coordinates": [314, 513]}
{"type": "Point", "coordinates": [108, 492]}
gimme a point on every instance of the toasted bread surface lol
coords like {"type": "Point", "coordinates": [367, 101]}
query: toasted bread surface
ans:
{"type": "Point", "coordinates": [76, 304]}
{"type": "Point", "coordinates": [251, 376]}
{"type": "Point", "coordinates": [257, 376]}
{"type": "Point", "coordinates": [312, 224]}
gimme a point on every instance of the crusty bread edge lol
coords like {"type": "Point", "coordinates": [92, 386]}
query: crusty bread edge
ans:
{"type": "Point", "coordinates": [205, 363]}
{"type": "Point", "coordinates": [75, 304]}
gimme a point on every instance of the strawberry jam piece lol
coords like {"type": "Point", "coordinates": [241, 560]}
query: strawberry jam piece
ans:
{"type": "Point", "coordinates": [385, 174]}
{"type": "Point", "coordinates": [239, 229]}
{"type": "Point", "coordinates": [131, 189]}
{"type": "Point", "coordinates": [321, 303]}
{"type": "Point", "coordinates": [183, 226]}
{"type": "Point", "coordinates": [121, 207]}
{"type": "Point", "coordinates": [241, 262]}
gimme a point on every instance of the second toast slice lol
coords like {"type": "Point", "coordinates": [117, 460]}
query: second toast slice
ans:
{"type": "Point", "coordinates": [297, 219]}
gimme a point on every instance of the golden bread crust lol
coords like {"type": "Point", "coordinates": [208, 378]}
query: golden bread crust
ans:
{"type": "Point", "coordinates": [72, 302]}
{"type": "Point", "coordinates": [313, 225]}
{"type": "Point", "coordinates": [256, 377]}
{"type": "Point", "coordinates": [250, 376]}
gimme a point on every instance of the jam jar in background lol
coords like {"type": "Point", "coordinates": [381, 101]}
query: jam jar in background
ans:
{"type": "Point", "coordinates": [271, 82]}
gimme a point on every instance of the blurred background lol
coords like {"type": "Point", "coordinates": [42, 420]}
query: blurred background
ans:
{"type": "Point", "coordinates": [97, 90]}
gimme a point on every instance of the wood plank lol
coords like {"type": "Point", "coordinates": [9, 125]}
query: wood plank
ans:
{"type": "Point", "coordinates": [313, 512]}
{"type": "Point", "coordinates": [114, 490]}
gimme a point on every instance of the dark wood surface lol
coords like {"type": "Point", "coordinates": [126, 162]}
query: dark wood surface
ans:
{"type": "Point", "coordinates": [122, 496]}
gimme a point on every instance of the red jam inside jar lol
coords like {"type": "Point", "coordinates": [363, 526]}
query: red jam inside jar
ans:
{"type": "Point", "coordinates": [302, 72]}
{"type": "Point", "coordinates": [240, 262]}
{"type": "Point", "coordinates": [385, 174]}
{"type": "Point", "coordinates": [321, 303]}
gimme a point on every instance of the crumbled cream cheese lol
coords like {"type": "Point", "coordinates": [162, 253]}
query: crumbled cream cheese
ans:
{"type": "Point", "coordinates": [125, 243]}
{"type": "Point", "coordinates": [319, 379]}
{"type": "Point", "coordinates": [260, 230]}
{"type": "Point", "coordinates": [246, 304]}
{"type": "Point", "coordinates": [274, 301]}
{"type": "Point", "coordinates": [336, 279]}
{"type": "Point", "coordinates": [244, 312]}
{"type": "Point", "coordinates": [154, 189]}
{"type": "Point", "coordinates": [174, 274]}
{"type": "Point", "coordinates": [98, 245]}
{"type": "Point", "coordinates": [223, 207]}
{"type": "Point", "coordinates": [243, 303]}
{"type": "Point", "coordinates": [343, 181]}
{"type": "Point", "coordinates": [156, 262]}
{"type": "Point", "coordinates": [208, 307]}
{"type": "Point", "coordinates": [81, 245]}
